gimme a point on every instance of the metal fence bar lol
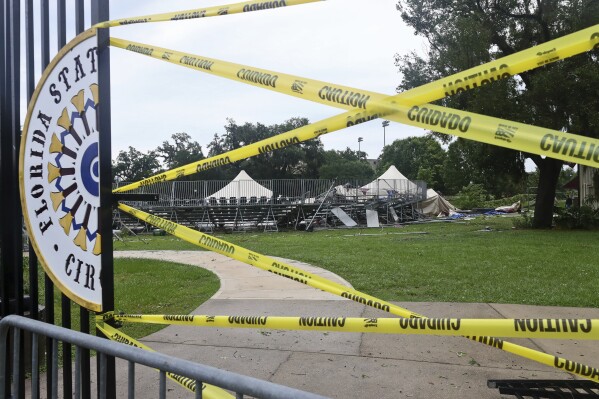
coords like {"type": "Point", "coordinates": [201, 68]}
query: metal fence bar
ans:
{"type": "Point", "coordinates": [225, 379]}
{"type": "Point", "coordinates": [79, 16]}
{"type": "Point", "coordinates": [35, 373]}
{"type": "Point", "coordinates": [103, 375]}
{"type": "Point", "coordinates": [67, 380]}
{"type": "Point", "coordinates": [279, 191]}
{"type": "Point", "coordinates": [84, 371]}
{"type": "Point", "coordinates": [61, 16]}
{"type": "Point", "coordinates": [100, 11]}
{"type": "Point", "coordinates": [4, 380]}
{"type": "Point", "coordinates": [54, 368]}
{"type": "Point", "coordinates": [3, 149]}
{"type": "Point", "coordinates": [162, 389]}
{"type": "Point", "coordinates": [61, 25]}
{"type": "Point", "coordinates": [16, 361]}
{"type": "Point", "coordinates": [12, 241]}
{"type": "Point", "coordinates": [48, 285]}
{"type": "Point", "coordinates": [77, 372]}
{"type": "Point", "coordinates": [131, 385]}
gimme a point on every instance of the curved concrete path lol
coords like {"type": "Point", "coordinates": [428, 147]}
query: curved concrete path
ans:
{"type": "Point", "coordinates": [242, 281]}
{"type": "Point", "coordinates": [346, 365]}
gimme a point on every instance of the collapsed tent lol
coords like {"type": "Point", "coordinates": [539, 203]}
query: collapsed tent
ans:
{"type": "Point", "coordinates": [515, 207]}
{"type": "Point", "coordinates": [243, 186]}
{"type": "Point", "coordinates": [435, 205]}
{"type": "Point", "coordinates": [390, 184]}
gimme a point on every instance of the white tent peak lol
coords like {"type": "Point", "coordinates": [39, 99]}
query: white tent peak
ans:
{"type": "Point", "coordinates": [243, 176]}
{"type": "Point", "coordinates": [430, 193]}
{"type": "Point", "coordinates": [389, 184]}
{"type": "Point", "coordinates": [392, 174]}
{"type": "Point", "coordinates": [243, 186]}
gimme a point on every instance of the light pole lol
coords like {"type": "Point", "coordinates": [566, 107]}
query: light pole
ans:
{"type": "Point", "coordinates": [385, 124]}
{"type": "Point", "coordinates": [360, 139]}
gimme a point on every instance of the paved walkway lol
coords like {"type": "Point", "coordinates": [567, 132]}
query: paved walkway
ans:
{"type": "Point", "coordinates": [346, 365]}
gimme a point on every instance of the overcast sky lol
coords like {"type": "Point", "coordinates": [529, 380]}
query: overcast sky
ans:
{"type": "Point", "coordinates": [349, 42]}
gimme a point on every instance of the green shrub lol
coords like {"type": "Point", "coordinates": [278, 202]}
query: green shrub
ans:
{"type": "Point", "coordinates": [471, 196]}
{"type": "Point", "coordinates": [583, 217]}
{"type": "Point", "coordinates": [524, 222]}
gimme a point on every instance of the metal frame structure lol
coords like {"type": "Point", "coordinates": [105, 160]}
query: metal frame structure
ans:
{"type": "Point", "coordinates": [39, 28]}
{"type": "Point", "coordinates": [241, 385]}
{"type": "Point", "coordinates": [212, 204]}
{"type": "Point", "coordinates": [189, 194]}
{"type": "Point", "coordinates": [550, 389]}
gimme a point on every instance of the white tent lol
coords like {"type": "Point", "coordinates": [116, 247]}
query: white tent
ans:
{"type": "Point", "coordinates": [243, 186]}
{"type": "Point", "coordinates": [349, 192]}
{"type": "Point", "coordinates": [389, 184]}
{"type": "Point", "coordinates": [435, 205]}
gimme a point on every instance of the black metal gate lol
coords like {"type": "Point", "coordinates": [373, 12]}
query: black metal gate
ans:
{"type": "Point", "coordinates": [18, 296]}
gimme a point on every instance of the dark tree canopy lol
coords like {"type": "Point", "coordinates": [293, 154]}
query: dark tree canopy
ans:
{"type": "Point", "coordinates": [181, 152]}
{"type": "Point", "coordinates": [345, 166]}
{"type": "Point", "coordinates": [133, 165]}
{"type": "Point", "coordinates": [561, 96]}
{"type": "Point", "coordinates": [418, 158]}
{"type": "Point", "coordinates": [290, 161]}
{"type": "Point", "coordinates": [491, 167]}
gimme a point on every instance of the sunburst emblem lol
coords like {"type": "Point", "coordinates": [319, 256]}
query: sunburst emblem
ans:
{"type": "Point", "coordinates": [75, 170]}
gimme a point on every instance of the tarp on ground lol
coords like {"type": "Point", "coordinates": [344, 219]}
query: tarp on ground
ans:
{"type": "Point", "coordinates": [243, 186]}
{"type": "Point", "coordinates": [435, 205]}
{"type": "Point", "coordinates": [389, 184]}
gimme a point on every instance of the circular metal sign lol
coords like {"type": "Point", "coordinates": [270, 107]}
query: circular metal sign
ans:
{"type": "Point", "coordinates": [59, 171]}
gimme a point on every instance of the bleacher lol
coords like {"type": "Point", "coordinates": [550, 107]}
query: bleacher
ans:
{"type": "Point", "coordinates": [291, 204]}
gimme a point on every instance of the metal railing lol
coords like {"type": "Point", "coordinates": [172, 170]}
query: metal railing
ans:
{"type": "Point", "coordinates": [275, 191]}
{"type": "Point", "coordinates": [239, 384]}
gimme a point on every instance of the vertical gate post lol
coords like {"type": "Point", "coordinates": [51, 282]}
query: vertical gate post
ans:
{"type": "Point", "coordinates": [84, 372]}
{"type": "Point", "coordinates": [48, 285]}
{"type": "Point", "coordinates": [101, 12]}
{"type": "Point", "coordinates": [11, 247]}
{"type": "Point", "coordinates": [3, 129]}
{"type": "Point", "coordinates": [67, 380]}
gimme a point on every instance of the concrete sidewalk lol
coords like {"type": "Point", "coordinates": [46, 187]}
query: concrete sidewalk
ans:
{"type": "Point", "coordinates": [346, 365]}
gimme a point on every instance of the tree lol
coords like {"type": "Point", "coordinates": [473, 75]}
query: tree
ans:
{"type": "Point", "coordinates": [291, 160]}
{"type": "Point", "coordinates": [182, 152]}
{"type": "Point", "coordinates": [345, 166]}
{"type": "Point", "coordinates": [495, 169]}
{"type": "Point", "coordinates": [418, 158]}
{"type": "Point", "coordinates": [466, 33]}
{"type": "Point", "coordinates": [133, 165]}
{"type": "Point", "coordinates": [565, 176]}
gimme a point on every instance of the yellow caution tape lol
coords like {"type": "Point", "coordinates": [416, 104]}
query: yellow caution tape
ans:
{"type": "Point", "coordinates": [237, 8]}
{"type": "Point", "coordinates": [579, 329]}
{"type": "Point", "coordinates": [264, 262]}
{"type": "Point", "coordinates": [208, 391]}
{"type": "Point", "coordinates": [406, 107]}
{"type": "Point", "coordinates": [279, 141]}
{"type": "Point", "coordinates": [304, 277]}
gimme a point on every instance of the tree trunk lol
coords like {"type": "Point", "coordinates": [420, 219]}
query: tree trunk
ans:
{"type": "Point", "coordinates": [549, 170]}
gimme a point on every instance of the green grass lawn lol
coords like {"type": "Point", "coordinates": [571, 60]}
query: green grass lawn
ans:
{"type": "Point", "coordinates": [458, 261]}
{"type": "Point", "coordinates": [149, 287]}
